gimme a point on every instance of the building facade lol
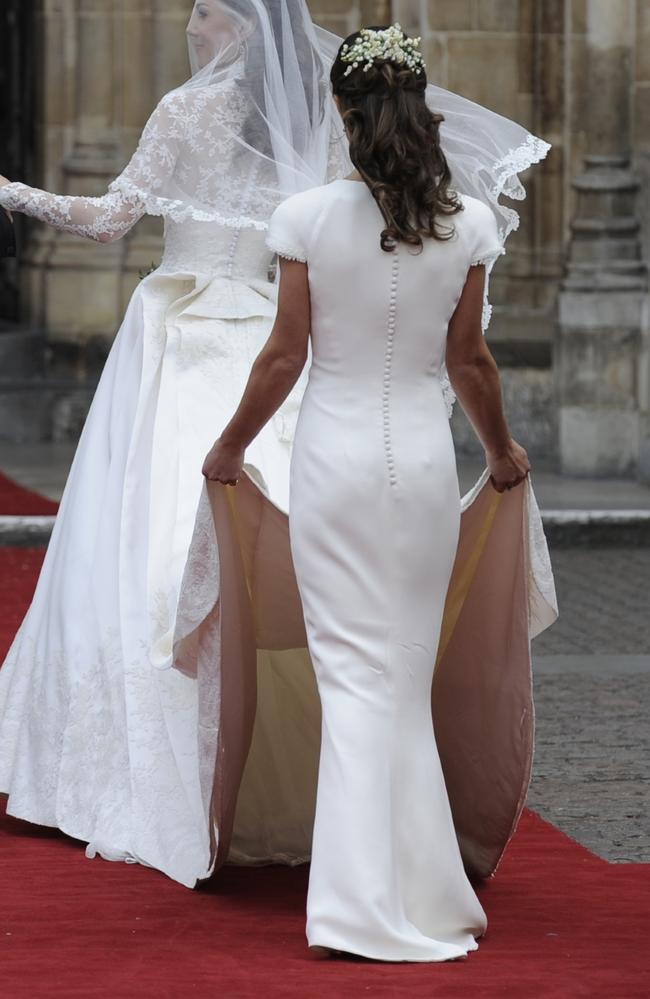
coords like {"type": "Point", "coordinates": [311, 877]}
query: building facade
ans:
{"type": "Point", "coordinates": [570, 323]}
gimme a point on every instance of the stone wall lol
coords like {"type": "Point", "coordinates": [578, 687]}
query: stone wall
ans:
{"type": "Point", "coordinates": [641, 163]}
{"type": "Point", "coordinates": [601, 345]}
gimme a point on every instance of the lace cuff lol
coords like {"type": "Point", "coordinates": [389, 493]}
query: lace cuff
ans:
{"type": "Point", "coordinates": [10, 196]}
{"type": "Point", "coordinates": [101, 219]}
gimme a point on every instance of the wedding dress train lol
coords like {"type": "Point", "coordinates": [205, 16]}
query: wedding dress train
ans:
{"type": "Point", "coordinates": [97, 734]}
{"type": "Point", "coordinates": [241, 639]}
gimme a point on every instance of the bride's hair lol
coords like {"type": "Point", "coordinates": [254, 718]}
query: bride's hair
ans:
{"type": "Point", "coordinates": [395, 145]}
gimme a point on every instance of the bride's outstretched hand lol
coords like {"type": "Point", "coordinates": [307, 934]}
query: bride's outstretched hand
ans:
{"type": "Point", "coordinates": [3, 183]}
{"type": "Point", "coordinates": [508, 467]}
{"type": "Point", "coordinates": [224, 463]}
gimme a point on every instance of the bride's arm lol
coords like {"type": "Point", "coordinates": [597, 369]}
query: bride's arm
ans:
{"type": "Point", "coordinates": [101, 219]}
{"type": "Point", "coordinates": [475, 379]}
{"type": "Point", "coordinates": [274, 373]}
{"type": "Point", "coordinates": [107, 218]}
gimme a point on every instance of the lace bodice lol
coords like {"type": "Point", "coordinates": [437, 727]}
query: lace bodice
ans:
{"type": "Point", "coordinates": [111, 216]}
{"type": "Point", "coordinates": [209, 248]}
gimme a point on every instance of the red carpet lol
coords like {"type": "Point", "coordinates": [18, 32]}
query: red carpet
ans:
{"type": "Point", "coordinates": [19, 569]}
{"type": "Point", "coordinates": [563, 923]}
{"type": "Point", "coordinates": [16, 501]}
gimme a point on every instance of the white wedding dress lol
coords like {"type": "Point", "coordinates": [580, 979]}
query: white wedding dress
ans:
{"type": "Point", "coordinates": [97, 734]}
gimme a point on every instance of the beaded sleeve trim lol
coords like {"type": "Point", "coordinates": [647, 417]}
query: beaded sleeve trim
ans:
{"type": "Point", "coordinates": [284, 250]}
{"type": "Point", "coordinates": [488, 256]}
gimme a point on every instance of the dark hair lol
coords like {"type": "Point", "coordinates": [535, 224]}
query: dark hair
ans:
{"type": "Point", "coordinates": [395, 145]}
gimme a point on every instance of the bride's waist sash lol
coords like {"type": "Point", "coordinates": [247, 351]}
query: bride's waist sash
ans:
{"type": "Point", "coordinates": [206, 296]}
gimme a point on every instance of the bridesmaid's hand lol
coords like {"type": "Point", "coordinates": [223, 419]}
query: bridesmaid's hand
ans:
{"type": "Point", "coordinates": [509, 467]}
{"type": "Point", "coordinates": [224, 463]}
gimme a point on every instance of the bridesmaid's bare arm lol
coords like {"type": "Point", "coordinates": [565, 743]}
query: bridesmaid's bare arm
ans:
{"type": "Point", "coordinates": [274, 373]}
{"type": "Point", "coordinates": [475, 379]}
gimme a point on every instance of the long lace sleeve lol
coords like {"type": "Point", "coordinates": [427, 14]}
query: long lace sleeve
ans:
{"type": "Point", "coordinates": [102, 219]}
{"type": "Point", "coordinates": [107, 218]}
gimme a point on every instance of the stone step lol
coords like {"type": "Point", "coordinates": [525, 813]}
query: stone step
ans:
{"type": "Point", "coordinates": [43, 409]}
{"type": "Point", "coordinates": [597, 528]}
{"type": "Point", "coordinates": [22, 353]}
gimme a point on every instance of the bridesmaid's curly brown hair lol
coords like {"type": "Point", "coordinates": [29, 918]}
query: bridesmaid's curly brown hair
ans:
{"type": "Point", "coordinates": [395, 145]}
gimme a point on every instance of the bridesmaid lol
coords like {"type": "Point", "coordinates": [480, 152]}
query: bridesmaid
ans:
{"type": "Point", "coordinates": [385, 271]}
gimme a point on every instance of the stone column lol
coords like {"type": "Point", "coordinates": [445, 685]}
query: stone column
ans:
{"type": "Point", "coordinates": [641, 127]}
{"type": "Point", "coordinates": [599, 335]}
{"type": "Point", "coordinates": [81, 280]}
{"type": "Point", "coordinates": [74, 282]}
{"type": "Point", "coordinates": [106, 65]}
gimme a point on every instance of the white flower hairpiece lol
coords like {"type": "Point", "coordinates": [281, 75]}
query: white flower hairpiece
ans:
{"type": "Point", "coordinates": [389, 44]}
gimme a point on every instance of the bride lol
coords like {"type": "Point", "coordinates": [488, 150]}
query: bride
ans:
{"type": "Point", "coordinates": [95, 731]}
{"type": "Point", "coordinates": [136, 712]}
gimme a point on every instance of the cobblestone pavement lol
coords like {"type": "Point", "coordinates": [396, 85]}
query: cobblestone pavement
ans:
{"type": "Point", "coordinates": [590, 772]}
{"type": "Point", "coordinates": [604, 601]}
{"type": "Point", "coordinates": [592, 697]}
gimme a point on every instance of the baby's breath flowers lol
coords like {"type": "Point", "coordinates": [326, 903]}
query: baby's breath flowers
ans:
{"type": "Point", "coordinates": [389, 45]}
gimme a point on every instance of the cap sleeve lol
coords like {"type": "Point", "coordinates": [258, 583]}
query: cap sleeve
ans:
{"type": "Point", "coordinates": [286, 232]}
{"type": "Point", "coordinates": [486, 245]}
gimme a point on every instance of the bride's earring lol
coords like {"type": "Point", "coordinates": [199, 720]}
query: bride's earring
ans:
{"type": "Point", "coordinates": [232, 53]}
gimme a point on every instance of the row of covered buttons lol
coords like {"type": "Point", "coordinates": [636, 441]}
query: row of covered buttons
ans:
{"type": "Point", "coordinates": [388, 368]}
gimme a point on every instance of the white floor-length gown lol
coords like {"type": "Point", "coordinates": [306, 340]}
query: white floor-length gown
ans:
{"type": "Point", "coordinates": [94, 729]}
{"type": "Point", "coordinates": [97, 733]}
{"type": "Point", "coordinates": [374, 520]}
{"type": "Point", "coordinates": [397, 575]}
